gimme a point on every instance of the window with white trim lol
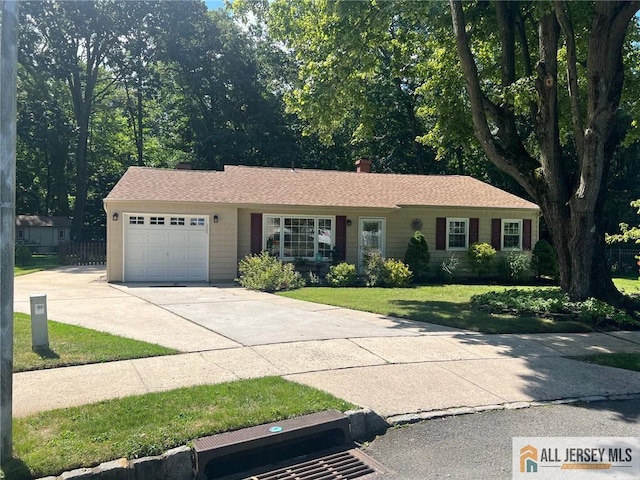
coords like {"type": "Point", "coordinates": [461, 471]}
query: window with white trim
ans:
{"type": "Point", "coordinates": [178, 221]}
{"type": "Point", "coordinates": [20, 233]}
{"type": "Point", "coordinates": [156, 221]}
{"type": "Point", "coordinates": [289, 237]}
{"type": "Point", "coordinates": [511, 234]}
{"type": "Point", "coordinates": [136, 220]}
{"type": "Point", "coordinates": [196, 222]}
{"type": "Point", "coordinates": [457, 233]}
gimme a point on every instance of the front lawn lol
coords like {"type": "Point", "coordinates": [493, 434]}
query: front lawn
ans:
{"type": "Point", "coordinates": [36, 264]}
{"type": "Point", "coordinates": [72, 345]}
{"type": "Point", "coordinates": [628, 361]}
{"type": "Point", "coordinates": [60, 440]}
{"type": "Point", "coordinates": [447, 305]}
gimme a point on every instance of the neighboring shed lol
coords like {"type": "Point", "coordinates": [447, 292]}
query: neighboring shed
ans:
{"type": "Point", "coordinates": [194, 225]}
{"type": "Point", "coordinates": [42, 233]}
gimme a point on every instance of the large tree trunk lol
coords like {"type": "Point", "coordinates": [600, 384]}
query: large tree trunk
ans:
{"type": "Point", "coordinates": [569, 192]}
{"type": "Point", "coordinates": [82, 180]}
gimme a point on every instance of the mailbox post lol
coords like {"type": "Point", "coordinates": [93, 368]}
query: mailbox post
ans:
{"type": "Point", "coordinates": [39, 327]}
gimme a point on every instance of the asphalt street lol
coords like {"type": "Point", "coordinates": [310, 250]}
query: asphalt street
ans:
{"type": "Point", "coordinates": [479, 446]}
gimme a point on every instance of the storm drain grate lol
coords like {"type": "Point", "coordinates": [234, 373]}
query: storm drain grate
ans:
{"type": "Point", "coordinates": [340, 465]}
{"type": "Point", "coordinates": [317, 446]}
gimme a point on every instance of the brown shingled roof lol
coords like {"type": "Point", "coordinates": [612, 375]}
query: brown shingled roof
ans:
{"type": "Point", "coordinates": [42, 221]}
{"type": "Point", "coordinates": [240, 185]}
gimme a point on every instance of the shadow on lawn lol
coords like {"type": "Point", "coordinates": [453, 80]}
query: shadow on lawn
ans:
{"type": "Point", "coordinates": [45, 353]}
{"type": "Point", "coordinates": [464, 316]}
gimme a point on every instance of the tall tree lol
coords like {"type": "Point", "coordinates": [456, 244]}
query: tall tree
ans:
{"type": "Point", "coordinates": [358, 73]}
{"type": "Point", "coordinates": [567, 178]}
{"type": "Point", "coordinates": [232, 117]}
{"type": "Point", "coordinates": [79, 42]}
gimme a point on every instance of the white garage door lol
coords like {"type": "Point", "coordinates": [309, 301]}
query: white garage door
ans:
{"type": "Point", "coordinates": [161, 248]}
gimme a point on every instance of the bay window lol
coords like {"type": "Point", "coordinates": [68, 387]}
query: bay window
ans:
{"type": "Point", "coordinates": [289, 237]}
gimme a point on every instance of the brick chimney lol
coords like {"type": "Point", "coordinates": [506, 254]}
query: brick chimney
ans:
{"type": "Point", "coordinates": [183, 166]}
{"type": "Point", "coordinates": [363, 165]}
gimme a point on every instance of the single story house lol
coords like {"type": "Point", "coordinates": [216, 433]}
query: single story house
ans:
{"type": "Point", "coordinates": [42, 233]}
{"type": "Point", "coordinates": [194, 225]}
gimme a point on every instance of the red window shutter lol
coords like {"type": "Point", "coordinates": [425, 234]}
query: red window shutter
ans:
{"type": "Point", "coordinates": [341, 238]}
{"type": "Point", "coordinates": [526, 234]}
{"type": "Point", "coordinates": [496, 233]}
{"type": "Point", "coordinates": [474, 226]}
{"type": "Point", "coordinates": [256, 232]}
{"type": "Point", "coordinates": [441, 233]}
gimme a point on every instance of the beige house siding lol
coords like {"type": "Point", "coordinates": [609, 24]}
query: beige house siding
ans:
{"type": "Point", "coordinates": [42, 239]}
{"type": "Point", "coordinates": [398, 227]}
{"type": "Point", "coordinates": [230, 237]}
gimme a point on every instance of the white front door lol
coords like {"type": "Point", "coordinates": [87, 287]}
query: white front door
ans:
{"type": "Point", "coordinates": [166, 248]}
{"type": "Point", "coordinates": [372, 238]}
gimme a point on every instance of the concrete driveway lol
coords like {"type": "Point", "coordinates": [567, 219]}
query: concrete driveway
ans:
{"type": "Point", "coordinates": [195, 317]}
{"type": "Point", "coordinates": [394, 366]}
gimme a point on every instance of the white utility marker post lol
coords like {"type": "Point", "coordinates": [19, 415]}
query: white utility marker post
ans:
{"type": "Point", "coordinates": [8, 76]}
{"type": "Point", "coordinates": [39, 328]}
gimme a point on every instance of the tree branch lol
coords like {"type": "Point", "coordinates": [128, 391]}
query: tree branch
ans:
{"type": "Point", "coordinates": [572, 75]}
{"type": "Point", "coordinates": [520, 168]}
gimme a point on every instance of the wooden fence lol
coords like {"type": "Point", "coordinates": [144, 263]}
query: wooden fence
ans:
{"type": "Point", "coordinates": [83, 253]}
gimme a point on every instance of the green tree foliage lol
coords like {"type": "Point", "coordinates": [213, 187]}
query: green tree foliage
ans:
{"type": "Point", "coordinates": [358, 74]}
{"type": "Point", "coordinates": [78, 43]}
{"type": "Point", "coordinates": [417, 257]}
{"type": "Point", "coordinates": [44, 132]}
{"type": "Point", "coordinates": [232, 117]}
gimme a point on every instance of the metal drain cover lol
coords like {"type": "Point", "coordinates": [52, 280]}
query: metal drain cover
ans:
{"type": "Point", "coordinates": [333, 464]}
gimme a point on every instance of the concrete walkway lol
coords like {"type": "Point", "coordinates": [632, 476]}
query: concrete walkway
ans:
{"type": "Point", "coordinates": [393, 366]}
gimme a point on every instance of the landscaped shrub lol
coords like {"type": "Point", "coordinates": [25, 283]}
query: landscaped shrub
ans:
{"type": "Point", "coordinates": [23, 255]}
{"type": "Point", "coordinates": [266, 273]}
{"type": "Point", "coordinates": [417, 257]}
{"type": "Point", "coordinates": [342, 275]}
{"type": "Point", "coordinates": [552, 301]}
{"type": "Point", "coordinates": [449, 267]}
{"type": "Point", "coordinates": [395, 274]}
{"type": "Point", "coordinates": [385, 273]}
{"type": "Point", "coordinates": [313, 280]}
{"type": "Point", "coordinates": [516, 266]}
{"type": "Point", "coordinates": [481, 257]}
{"type": "Point", "coordinates": [373, 269]}
{"type": "Point", "coordinates": [543, 260]}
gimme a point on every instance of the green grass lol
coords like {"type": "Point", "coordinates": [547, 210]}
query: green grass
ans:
{"type": "Point", "coordinates": [72, 345]}
{"type": "Point", "coordinates": [446, 305]}
{"type": "Point", "coordinates": [628, 284]}
{"type": "Point", "coordinates": [37, 263]}
{"type": "Point", "coordinates": [59, 440]}
{"type": "Point", "coordinates": [628, 361]}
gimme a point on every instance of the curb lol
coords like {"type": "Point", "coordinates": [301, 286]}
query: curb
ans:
{"type": "Point", "coordinates": [409, 418]}
{"type": "Point", "coordinates": [179, 463]}
{"type": "Point", "coordinates": [364, 425]}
